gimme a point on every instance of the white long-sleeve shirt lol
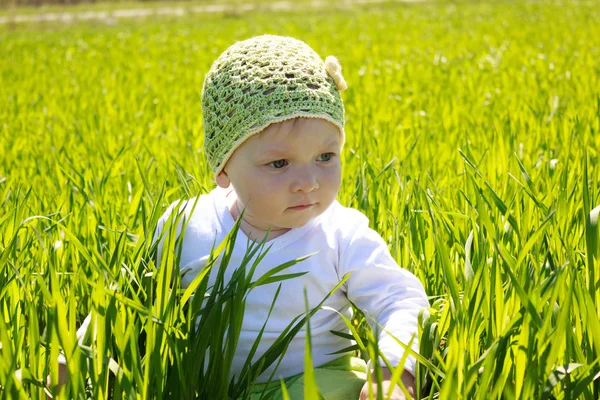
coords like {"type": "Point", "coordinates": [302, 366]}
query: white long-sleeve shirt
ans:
{"type": "Point", "coordinates": [344, 244]}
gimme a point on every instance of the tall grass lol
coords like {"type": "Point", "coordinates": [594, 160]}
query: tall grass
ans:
{"type": "Point", "coordinates": [473, 137]}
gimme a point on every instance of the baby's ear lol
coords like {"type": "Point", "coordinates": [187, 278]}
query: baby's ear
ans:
{"type": "Point", "coordinates": [223, 179]}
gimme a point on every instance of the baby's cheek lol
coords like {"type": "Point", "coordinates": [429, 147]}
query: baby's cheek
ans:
{"type": "Point", "coordinates": [272, 186]}
{"type": "Point", "coordinates": [266, 192]}
{"type": "Point", "coordinates": [334, 180]}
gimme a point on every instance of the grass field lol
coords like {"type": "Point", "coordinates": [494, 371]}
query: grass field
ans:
{"type": "Point", "coordinates": [186, 6]}
{"type": "Point", "coordinates": [473, 147]}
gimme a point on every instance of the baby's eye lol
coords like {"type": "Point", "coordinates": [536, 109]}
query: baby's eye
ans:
{"type": "Point", "coordinates": [278, 164]}
{"type": "Point", "coordinates": [325, 156]}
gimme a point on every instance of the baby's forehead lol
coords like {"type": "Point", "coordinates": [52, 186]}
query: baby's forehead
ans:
{"type": "Point", "coordinates": [295, 129]}
{"type": "Point", "coordinates": [278, 140]}
{"type": "Point", "coordinates": [282, 130]}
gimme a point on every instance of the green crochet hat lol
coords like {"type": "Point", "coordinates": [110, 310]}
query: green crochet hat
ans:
{"type": "Point", "coordinates": [261, 81]}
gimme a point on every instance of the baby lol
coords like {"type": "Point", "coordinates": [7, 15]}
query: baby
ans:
{"type": "Point", "coordinates": [274, 130]}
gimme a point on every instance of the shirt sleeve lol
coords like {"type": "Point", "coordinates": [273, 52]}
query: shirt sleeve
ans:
{"type": "Point", "coordinates": [379, 287]}
{"type": "Point", "coordinates": [159, 228]}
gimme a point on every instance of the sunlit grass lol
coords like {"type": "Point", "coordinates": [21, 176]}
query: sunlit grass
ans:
{"type": "Point", "coordinates": [473, 137]}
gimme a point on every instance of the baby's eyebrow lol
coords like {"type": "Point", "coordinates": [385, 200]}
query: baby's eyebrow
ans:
{"type": "Point", "coordinates": [274, 152]}
{"type": "Point", "coordinates": [283, 152]}
{"type": "Point", "coordinates": [332, 142]}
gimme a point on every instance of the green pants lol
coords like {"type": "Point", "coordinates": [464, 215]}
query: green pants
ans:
{"type": "Point", "coordinates": [340, 379]}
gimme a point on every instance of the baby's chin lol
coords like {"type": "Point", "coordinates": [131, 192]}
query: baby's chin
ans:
{"type": "Point", "coordinates": [299, 221]}
{"type": "Point", "coordinates": [299, 224]}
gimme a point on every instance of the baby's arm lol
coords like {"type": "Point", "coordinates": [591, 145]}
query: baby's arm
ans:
{"type": "Point", "coordinates": [388, 293]}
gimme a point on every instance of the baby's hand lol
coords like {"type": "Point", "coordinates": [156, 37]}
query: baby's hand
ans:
{"type": "Point", "coordinates": [397, 394]}
{"type": "Point", "coordinates": [63, 377]}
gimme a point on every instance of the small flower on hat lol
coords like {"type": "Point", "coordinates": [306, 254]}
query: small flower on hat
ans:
{"type": "Point", "coordinates": [334, 69]}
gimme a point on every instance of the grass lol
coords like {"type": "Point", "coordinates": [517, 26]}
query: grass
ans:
{"type": "Point", "coordinates": [7, 9]}
{"type": "Point", "coordinates": [473, 137]}
{"type": "Point", "coordinates": [10, 9]}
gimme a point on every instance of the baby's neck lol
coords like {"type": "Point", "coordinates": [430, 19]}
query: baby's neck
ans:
{"type": "Point", "coordinates": [252, 232]}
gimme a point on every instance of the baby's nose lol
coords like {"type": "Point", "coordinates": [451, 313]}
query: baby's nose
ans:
{"type": "Point", "coordinates": [305, 182]}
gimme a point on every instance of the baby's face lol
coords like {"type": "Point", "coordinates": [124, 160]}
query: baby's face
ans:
{"type": "Point", "coordinates": [287, 174]}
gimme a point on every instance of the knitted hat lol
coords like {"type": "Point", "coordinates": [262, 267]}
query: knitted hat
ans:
{"type": "Point", "coordinates": [261, 81]}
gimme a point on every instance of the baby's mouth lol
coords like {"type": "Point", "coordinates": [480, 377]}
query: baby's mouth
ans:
{"type": "Point", "coordinates": [302, 206]}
